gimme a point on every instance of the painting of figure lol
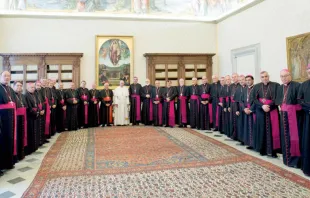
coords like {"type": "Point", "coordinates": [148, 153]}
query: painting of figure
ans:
{"type": "Point", "coordinates": [199, 8]}
{"type": "Point", "coordinates": [114, 59]}
{"type": "Point", "coordinates": [298, 55]}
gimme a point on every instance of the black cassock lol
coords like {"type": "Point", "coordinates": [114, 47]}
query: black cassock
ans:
{"type": "Point", "coordinates": [234, 107]}
{"type": "Point", "coordinates": [227, 114]}
{"type": "Point", "coordinates": [267, 133]}
{"type": "Point", "coordinates": [135, 103]}
{"type": "Point", "coordinates": [53, 111]}
{"type": "Point", "coordinates": [291, 123]}
{"type": "Point", "coordinates": [220, 111]}
{"type": "Point", "coordinates": [182, 106]}
{"type": "Point", "coordinates": [304, 100]}
{"type": "Point", "coordinates": [146, 115]}
{"type": "Point", "coordinates": [33, 122]}
{"type": "Point", "coordinates": [83, 96]}
{"type": "Point", "coordinates": [240, 119]}
{"type": "Point", "coordinates": [106, 112]}
{"type": "Point", "coordinates": [61, 121]}
{"type": "Point", "coordinates": [93, 108]}
{"type": "Point", "coordinates": [42, 118]}
{"type": "Point", "coordinates": [157, 96]}
{"type": "Point", "coordinates": [21, 111]}
{"type": "Point", "coordinates": [46, 99]}
{"type": "Point", "coordinates": [194, 101]}
{"type": "Point", "coordinates": [205, 110]}
{"type": "Point", "coordinates": [7, 119]}
{"type": "Point", "coordinates": [72, 109]}
{"type": "Point", "coordinates": [169, 106]}
{"type": "Point", "coordinates": [215, 91]}
{"type": "Point", "coordinates": [248, 119]}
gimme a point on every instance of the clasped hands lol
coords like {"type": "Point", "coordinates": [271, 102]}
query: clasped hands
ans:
{"type": "Point", "coordinates": [204, 102]}
{"type": "Point", "coordinates": [266, 108]}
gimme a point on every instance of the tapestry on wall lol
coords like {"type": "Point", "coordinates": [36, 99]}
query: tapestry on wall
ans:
{"type": "Point", "coordinates": [298, 55]}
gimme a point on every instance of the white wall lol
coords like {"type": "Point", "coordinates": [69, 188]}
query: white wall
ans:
{"type": "Point", "coordinates": [31, 35]}
{"type": "Point", "coordinates": [268, 23]}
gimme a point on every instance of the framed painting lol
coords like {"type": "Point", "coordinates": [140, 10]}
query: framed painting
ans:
{"type": "Point", "coordinates": [114, 60]}
{"type": "Point", "coordinates": [298, 55]}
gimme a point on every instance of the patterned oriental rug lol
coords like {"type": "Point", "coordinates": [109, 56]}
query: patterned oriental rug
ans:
{"type": "Point", "coordinates": [156, 162]}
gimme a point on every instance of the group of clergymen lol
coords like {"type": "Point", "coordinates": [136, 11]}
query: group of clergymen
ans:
{"type": "Point", "coordinates": [267, 117]}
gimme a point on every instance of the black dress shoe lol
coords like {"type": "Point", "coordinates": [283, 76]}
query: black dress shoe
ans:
{"type": "Point", "coordinates": [181, 126]}
{"type": "Point", "coordinates": [1, 173]}
{"type": "Point", "coordinates": [46, 141]}
{"type": "Point", "coordinates": [249, 147]}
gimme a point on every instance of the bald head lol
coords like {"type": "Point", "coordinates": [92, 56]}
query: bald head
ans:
{"type": "Point", "coordinates": [204, 80]}
{"type": "Point", "coordinates": [181, 82]}
{"type": "Point", "coordinates": [194, 81]}
{"type": "Point", "coordinates": [31, 87]}
{"type": "Point", "coordinates": [5, 77]}
{"type": "Point", "coordinates": [215, 78]}
{"type": "Point", "coordinates": [234, 77]}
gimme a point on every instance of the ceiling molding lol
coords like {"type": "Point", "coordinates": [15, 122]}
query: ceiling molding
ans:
{"type": "Point", "coordinates": [230, 14]}
{"type": "Point", "coordinates": [123, 17]}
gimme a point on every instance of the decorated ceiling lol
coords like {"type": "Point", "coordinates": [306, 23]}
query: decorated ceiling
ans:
{"type": "Point", "coordinates": [208, 9]}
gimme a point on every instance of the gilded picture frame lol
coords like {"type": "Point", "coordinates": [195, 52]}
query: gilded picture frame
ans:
{"type": "Point", "coordinates": [298, 56]}
{"type": "Point", "coordinates": [114, 60]}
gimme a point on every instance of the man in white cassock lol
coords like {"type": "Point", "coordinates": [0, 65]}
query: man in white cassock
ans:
{"type": "Point", "coordinates": [121, 105]}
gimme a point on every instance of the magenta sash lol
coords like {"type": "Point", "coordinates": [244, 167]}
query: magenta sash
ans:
{"type": "Point", "coordinates": [274, 118]}
{"type": "Point", "coordinates": [171, 113]}
{"type": "Point", "coordinates": [207, 96]}
{"type": "Point", "coordinates": [183, 108]}
{"type": "Point", "coordinates": [160, 113]}
{"type": "Point", "coordinates": [40, 107]}
{"type": "Point", "coordinates": [195, 97]}
{"type": "Point", "coordinates": [221, 99]}
{"type": "Point", "coordinates": [11, 105]}
{"type": "Point", "coordinates": [62, 102]}
{"type": "Point", "coordinates": [231, 99]}
{"type": "Point", "coordinates": [84, 98]}
{"type": "Point", "coordinates": [23, 112]}
{"type": "Point", "coordinates": [97, 105]}
{"type": "Point", "coordinates": [138, 106]}
{"type": "Point", "coordinates": [292, 120]}
{"type": "Point", "coordinates": [151, 110]}
{"type": "Point", "coordinates": [47, 117]}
